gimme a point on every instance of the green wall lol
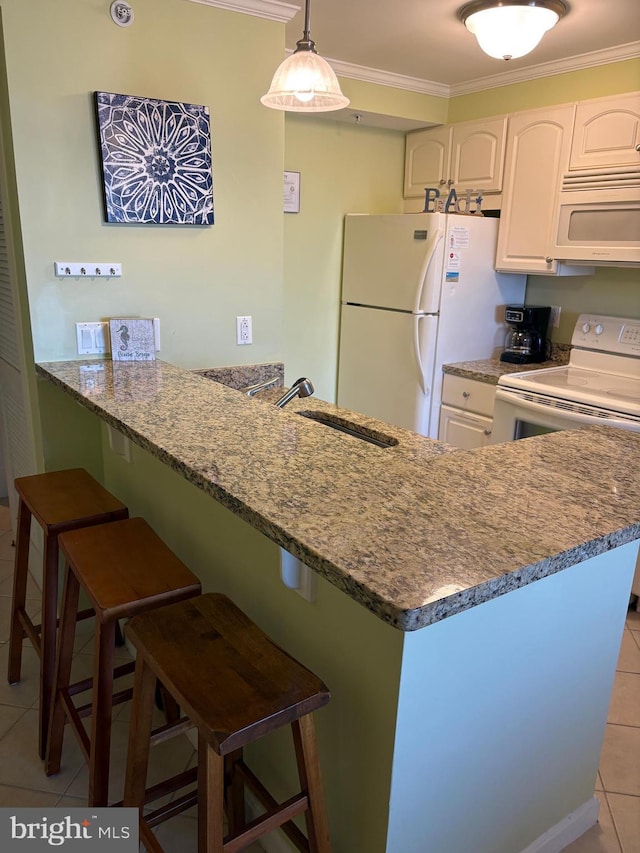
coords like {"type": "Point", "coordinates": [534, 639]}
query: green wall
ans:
{"type": "Point", "coordinates": [594, 82]}
{"type": "Point", "coordinates": [345, 168]}
{"type": "Point", "coordinates": [195, 279]}
{"type": "Point", "coordinates": [397, 103]}
{"type": "Point", "coordinates": [613, 291]}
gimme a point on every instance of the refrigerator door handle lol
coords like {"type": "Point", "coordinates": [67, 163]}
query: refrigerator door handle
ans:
{"type": "Point", "coordinates": [437, 237]}
{"type": "Point", "coordinates": [416, 350]}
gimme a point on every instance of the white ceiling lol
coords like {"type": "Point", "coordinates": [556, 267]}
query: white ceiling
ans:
{"type": "Point", "coordinates": [424, 39]}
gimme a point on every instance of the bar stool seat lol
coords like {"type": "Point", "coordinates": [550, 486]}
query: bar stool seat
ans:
{"type": "Point", "coordinates": [59, 501]}
{"type": "Point", "coordinates": [235, 686]}
{"type": "Point", "coordinates": [125, 569]}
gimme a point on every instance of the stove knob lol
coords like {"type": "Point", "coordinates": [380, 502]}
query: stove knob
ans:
{"type": "Point", "coordinates": [599, 329]}
{"type": "Point", "coordinates": [586, 327]}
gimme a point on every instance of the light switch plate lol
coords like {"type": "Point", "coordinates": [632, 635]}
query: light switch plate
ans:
{"type": "Point", "coordinates": [92, 338]}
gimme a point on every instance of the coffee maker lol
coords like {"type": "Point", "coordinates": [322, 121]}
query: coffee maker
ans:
{"type": "Point", "coordinates": [526, 341]}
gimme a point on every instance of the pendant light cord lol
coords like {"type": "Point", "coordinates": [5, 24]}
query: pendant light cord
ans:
{"type": "Point", "coordinates": [306, 42]}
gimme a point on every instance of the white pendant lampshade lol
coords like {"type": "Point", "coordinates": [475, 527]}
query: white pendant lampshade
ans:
{"type": "Point", "coordinates": [305, 82]}
{"type": "Point", "coordinates": [508, 29]}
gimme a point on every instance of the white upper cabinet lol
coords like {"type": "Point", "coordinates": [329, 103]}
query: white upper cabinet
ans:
{"type": "Point", "coordinates": [606, 133]}
{"type": "Point", "coordinates": [468, 155]}
{"type": "Point", "coordinates": [537, 155]}
{"type": "Point", "coordinates": [426, 160]}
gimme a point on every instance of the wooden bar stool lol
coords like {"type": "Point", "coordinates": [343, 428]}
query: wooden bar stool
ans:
{"type": "Point", "coordinates": [59, 501]}
{"type": "Point", "coordinates": [234, 685]}
{"type": "Point", "coordinates": [124, 569]}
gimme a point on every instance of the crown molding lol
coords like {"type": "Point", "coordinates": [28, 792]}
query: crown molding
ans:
{"type": "Point", "coordinates": [507, 78]}
{"type": "Point", "coordinates": [388, 78]}
{"type": "Point", "coordinates": [272, 10]}
{"type": "Point", "coordinates": [548, 69]}
{"type": "Point", "coordinates": [275, 10]}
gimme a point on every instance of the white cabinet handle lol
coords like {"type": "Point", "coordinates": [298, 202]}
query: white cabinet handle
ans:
{"type": "Point", "coordinates": [487, 432]}
{"type": "Point", "coordinates": [466, 394]}
{"type": "Point", "coordinates": [548, 260]}
{"type": "Point", "coordinates": [637, 147]}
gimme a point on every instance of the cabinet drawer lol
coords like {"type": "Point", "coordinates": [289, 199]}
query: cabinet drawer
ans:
{"type": "Point", "coordinates": [468, 395]}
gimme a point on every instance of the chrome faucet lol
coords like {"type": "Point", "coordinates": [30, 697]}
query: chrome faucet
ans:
{"type": "Point", "coordinates": [252, 390]}
{"type": "Point", "coordinates": [301, 388]}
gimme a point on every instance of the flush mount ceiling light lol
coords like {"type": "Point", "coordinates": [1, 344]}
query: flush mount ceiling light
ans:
{"type": "Point", "coordinates": [305, 82]}
{"type": "Point", "coordinates": [507, 29]}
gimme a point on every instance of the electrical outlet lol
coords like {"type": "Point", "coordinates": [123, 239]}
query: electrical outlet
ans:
{"type": "Point", "coordinates": [554, 320]}
{"type": "Point", "coordinates": [244, 332]}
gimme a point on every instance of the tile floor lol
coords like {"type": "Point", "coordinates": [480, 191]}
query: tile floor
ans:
{"type": "Point", "coordinates": [23, 782]}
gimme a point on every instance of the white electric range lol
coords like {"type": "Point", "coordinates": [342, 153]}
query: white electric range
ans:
{"type": "Point", "coordinates": [600, 385]}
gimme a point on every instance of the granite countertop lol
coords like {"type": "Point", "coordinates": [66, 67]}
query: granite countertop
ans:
{"type": "Point", "coordinates": [489, 370]}
{"type": "Point", "coordinates": [416, 532]}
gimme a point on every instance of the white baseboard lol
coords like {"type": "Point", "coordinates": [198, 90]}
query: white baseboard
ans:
{"type": "Point", "coordinates": [567, 830]}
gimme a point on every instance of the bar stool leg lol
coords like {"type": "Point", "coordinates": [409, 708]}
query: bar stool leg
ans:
{"type": "Point", "coordinates": [236, 814]}
{"type": "Point", "coordinates": [19, 592]}
{"type": "Point", "coordinates": [62, 675]}
{"type": "Point", "coordinates": [210, 799]}
{"type": "Point", "coordinates": [306, 747]}
{"type": "Point", "coordinates": [102, 706]}
{"type": "Point", "coordinates": [48, 636]}
{"type": "Point", "coordinates": [139, 736]}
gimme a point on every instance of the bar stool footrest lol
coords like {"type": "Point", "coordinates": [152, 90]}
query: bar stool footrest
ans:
{"type": "Point", "coordinates": [175, 807]}
{"type": "Point", "coordinates": [279, 817]}
{"type": "Point", "coordinates": [87, 683]}
{"type": "Point", "coordinates": [271, 804]}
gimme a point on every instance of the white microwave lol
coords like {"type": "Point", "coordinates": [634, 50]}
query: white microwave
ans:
{"type": "Point", "coordinates": [598, 218]}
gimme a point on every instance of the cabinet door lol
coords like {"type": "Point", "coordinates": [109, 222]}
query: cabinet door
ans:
{"type": "Point", "coordinates": [537, 155]}
{"type": "Point", "coordinates": [426, 160]}
{"type": "Point", "coordinates": [606, 133]}
{"type": "Point", "coordinates": [477, 155]}
{"type": "Point", "coordinates": [463, 430]}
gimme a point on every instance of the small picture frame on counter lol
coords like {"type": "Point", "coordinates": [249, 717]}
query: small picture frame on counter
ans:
{"type": "Point", "coordinates": [132, 339]}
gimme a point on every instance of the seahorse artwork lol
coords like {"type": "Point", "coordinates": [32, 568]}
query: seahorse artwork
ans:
{"type": "Point", "coordinates": [132, 339]}
{"type": "Point", "coordinates": [123, 331]}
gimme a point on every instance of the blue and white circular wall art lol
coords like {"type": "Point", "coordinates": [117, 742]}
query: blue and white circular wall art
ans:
{"type": "Point", "coordinates": [156, 160]}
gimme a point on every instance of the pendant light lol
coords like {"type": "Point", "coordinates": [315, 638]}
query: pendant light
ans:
{"type": "Point", "coordinates": [507, 29]}
{"type": "Point", "coordinates": [305, 82]}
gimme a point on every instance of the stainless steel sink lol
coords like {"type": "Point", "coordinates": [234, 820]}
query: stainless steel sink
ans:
{"type": "Point", "coordinates": [350, 428]}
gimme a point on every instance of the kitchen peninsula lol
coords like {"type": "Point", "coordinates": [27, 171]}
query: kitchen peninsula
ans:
{"type": "Point", "coordinates": [444, 733]}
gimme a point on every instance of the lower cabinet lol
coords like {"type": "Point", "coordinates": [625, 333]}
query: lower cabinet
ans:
{"type": "Point", "coordinates": [466, 413]}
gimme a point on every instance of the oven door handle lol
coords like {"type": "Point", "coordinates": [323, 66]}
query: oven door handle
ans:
{"type": "Point", "coordinates": [577, 418]}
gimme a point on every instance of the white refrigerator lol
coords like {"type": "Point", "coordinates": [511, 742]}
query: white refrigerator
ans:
{"type": "Point", "coordinates": [418, 291]}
